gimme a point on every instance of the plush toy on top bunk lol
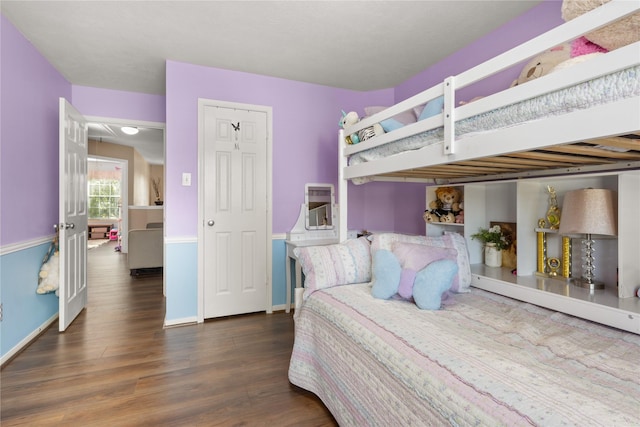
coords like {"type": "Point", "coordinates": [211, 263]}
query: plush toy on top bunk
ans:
{"type": "Point", "coordinates": [350, 119]}
{"type": "Point", "coordinates": [446, 208]}
{"type": "Point", "coordinates": [610, 37]}
{"type": "Point", "coordinates": [603, 40]}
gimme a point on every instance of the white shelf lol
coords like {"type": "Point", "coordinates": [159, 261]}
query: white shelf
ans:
{"type": "Point", "coordinates": [524, 202]}
{"type": "Point", "coordinates": [602, 306]}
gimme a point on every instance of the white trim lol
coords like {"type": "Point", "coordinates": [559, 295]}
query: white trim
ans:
{"type": "Point", "coordinates": [180, 240]}
{"type": "Point", "coordinates": [124, 195]}
{"type": "Point", "coordinates": [124, 122]}
{"type": "Point", "coordinates": [279, 236]}
{"type": "Point", "coordinates": [26, 244]}
{"type": "Point", "coordinates": [180, 322]}
{"type": "Point", "coordinates": [202, 102]}
{"type": "Point", "coordinates": [27, 340]}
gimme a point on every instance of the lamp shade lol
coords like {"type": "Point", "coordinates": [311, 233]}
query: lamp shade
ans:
{"type": "Point", "coordinates": [589, 211]}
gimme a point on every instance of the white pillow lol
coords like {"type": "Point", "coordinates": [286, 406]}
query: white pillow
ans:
{"type": "Point", "coordinates": [333, 265]}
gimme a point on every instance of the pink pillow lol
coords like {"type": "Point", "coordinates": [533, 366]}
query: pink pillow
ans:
{"type": "Point", "coordinates": [415, 257]}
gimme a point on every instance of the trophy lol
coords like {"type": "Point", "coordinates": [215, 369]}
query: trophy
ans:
{"type": "Point", "coordinates": [553, 212]}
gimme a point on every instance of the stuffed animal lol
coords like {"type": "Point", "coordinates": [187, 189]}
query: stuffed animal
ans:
{"type": "Point", "coordinates": [543, 64]}
{"type": "Point", "coordinates": [460, 217]}
{"type": "Point", "coordinates": [613, 36]}
{"type": "Point", "coordinates": [49, 276]}
{"type": "Point", "coordinates": [430, 216]}
{"type": "Point", "coordinates": [447, 203]}
{"type": "Point", "coordinates": [351, 118]}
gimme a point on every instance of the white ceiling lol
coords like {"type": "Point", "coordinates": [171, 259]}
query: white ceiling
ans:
{"type": "Point", "coordinates": [359, 45]}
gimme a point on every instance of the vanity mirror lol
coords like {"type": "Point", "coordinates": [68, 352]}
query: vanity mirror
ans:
{"type": "Point", "coordinates": [320, 203]}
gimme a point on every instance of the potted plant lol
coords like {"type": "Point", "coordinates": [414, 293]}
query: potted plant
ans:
{"type": "Point", "coordinates": [494, 242]}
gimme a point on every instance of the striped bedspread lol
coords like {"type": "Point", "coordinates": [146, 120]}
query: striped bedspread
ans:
{"type": "Point", "coordinates": [482, 359]}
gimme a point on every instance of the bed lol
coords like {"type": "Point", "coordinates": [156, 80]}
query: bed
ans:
{"type": "Point", "coordinates": [514, 132]}
{"type": "Point", "coordinates": [483, 359]}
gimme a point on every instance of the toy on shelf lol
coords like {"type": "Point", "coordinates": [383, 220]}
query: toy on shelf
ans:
{"type": "Point", "coordinates": [447, 207]}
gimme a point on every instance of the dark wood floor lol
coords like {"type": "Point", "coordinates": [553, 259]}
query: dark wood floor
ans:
{"type": "Point", "coordinates": [117, 366]}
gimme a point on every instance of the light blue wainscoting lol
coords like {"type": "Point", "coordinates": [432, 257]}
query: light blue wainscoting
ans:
{"type": "Point", "coordinates": [24, 312]}
{"type": "Point", "coordinates": [181, 275]}
{"type": "Point", "coordinates": [278, 281]}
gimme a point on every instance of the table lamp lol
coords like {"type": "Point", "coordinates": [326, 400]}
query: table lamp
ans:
{"type": "Point", "coordinates": [589, 211]}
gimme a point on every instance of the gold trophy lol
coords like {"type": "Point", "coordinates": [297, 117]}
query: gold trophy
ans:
{"type": "Point", "coordinates": [553, 213]}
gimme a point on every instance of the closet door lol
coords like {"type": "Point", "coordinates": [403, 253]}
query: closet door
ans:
{"type": "Point", "coordinates": [235, 211]}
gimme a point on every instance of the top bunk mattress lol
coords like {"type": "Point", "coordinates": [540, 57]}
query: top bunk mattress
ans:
{"type": "Point", "coordinates": [620, 85]}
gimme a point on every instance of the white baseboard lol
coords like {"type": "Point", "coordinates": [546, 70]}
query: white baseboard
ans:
{"type": "Point", "coordinates": [280, 307]}
{"type": "Point", "coordinates": [27, 340]}
{"type": "Point", "coordinates": [180, 322]}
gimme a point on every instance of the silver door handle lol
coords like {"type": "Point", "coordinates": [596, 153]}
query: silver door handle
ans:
{"type": "Point", "coordinates": [210, 223]}
{"type": "Point", "coordinates": [69, 225]}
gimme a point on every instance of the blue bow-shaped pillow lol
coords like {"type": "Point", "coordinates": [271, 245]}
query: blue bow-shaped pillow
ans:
{"type": "Point", "coordinates": [426, 286]}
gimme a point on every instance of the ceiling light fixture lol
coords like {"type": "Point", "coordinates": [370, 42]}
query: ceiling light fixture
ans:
{"type": "Point", "coordinates": [129, 130]}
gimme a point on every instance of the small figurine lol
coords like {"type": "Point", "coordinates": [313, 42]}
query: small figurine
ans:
{"type": "Point", "coordinates": [553, 213]}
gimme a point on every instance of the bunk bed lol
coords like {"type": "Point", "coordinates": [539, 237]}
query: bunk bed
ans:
{"type": "Point", "coordinates": [485, 139]}
{"type": "Point", "coordinates": [507, 352]}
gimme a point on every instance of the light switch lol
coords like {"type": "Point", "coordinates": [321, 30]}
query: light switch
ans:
{"type": "Point", "coordinates": [186, 179]}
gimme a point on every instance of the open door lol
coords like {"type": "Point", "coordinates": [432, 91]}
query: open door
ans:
{"type": "Point", "coordinates": [73, 214]}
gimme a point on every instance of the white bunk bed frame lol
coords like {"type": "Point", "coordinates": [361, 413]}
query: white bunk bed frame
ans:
{"type": "Point", "coordinates": [536, 148]}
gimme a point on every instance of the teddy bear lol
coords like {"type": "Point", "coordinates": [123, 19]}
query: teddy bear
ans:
{"type": "Point", "coordinates": [610, 37]}
{"type": "Point", "coordinates": [350, 119]}
{"type": "Point", "coordinates": [447, 204]}
{"type": "Point", "coordinates": [543, 63]}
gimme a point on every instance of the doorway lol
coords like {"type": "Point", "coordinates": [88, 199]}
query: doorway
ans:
{"type": "Point", "coordinates": [140, 147]}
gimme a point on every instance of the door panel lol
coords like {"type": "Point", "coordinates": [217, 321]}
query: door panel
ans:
{"type": "Point", "coordinates": [73, 214]}
{"type": "Point", "coordinates": [235, 199]}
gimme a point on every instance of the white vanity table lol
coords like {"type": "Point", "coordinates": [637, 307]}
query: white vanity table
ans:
{"type": "Point", "coordinates": [317, 225]}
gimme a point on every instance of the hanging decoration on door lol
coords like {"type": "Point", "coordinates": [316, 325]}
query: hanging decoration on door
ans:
{"type": "Point", "coordinates": [236, 129]}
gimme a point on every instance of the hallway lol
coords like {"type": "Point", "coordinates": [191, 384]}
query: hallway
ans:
{"type": "Point", "coordinates": [117, 366]}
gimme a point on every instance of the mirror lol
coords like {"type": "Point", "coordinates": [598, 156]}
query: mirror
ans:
{"type": "Point", "coordinates": [320, 202]}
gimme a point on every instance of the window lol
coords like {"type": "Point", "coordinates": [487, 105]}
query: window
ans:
{"type": "Point", "coordinates": [104, 198]}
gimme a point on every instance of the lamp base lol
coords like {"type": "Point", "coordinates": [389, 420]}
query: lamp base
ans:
{"type": "Point", "coordinates": [585, 283]}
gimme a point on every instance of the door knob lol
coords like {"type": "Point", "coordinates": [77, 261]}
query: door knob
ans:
{"type": "Point", "coordinates": [69, 225]}
{"type": "Point", "coordinates": [210, 223]}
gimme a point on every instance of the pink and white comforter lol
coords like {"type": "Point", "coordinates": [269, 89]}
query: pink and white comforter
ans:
{"type": "Point", "coordinates": [482, 359]}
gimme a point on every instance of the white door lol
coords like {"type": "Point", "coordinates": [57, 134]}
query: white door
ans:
{"type": "Point", "coordinates": [73, 214]}
{"type": "Point", "coordinates": [235, 211]}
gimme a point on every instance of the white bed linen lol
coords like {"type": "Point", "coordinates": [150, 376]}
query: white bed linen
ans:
{"type": "Point", "coordinates": [483, 359]}
{"type": "Point", "coordinates": [620, 85]}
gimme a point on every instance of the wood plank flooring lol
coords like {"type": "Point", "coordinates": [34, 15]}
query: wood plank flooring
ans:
{"type": "Point", "coordinates": [117, 366]}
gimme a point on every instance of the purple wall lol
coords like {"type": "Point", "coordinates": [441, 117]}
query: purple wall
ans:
{"type": "Point", "coordinates": [28, 138]}
{"type": "Point", "coordinates": [119, 104]}
{"type": "Point", "coordinates": [536, 21]}
{"type": "Point", "coordinates": [305, 129]}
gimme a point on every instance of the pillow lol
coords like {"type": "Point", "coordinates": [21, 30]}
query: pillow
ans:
{"type": "Point", "coordinates": [333, 265]}
{"type": "Point", "coordinates": [431, 108]}
{"type": "Point", "coordinates": [426, 286]}
{"type": "Point", "coordinates": [433, 282]}
{"type": "Point", "coordinates": [395, 122]}
{"type": "Point", "coordinates": [391, 124]}
{"type": "Point", "coordinates": [462, 281]}
{"type": "Point", "coordinates": [416, 257]}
